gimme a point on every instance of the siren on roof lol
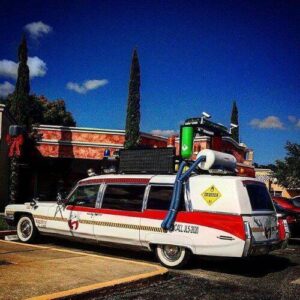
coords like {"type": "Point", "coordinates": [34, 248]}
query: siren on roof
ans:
{"type": "Point", "coordinates": [215, 160]}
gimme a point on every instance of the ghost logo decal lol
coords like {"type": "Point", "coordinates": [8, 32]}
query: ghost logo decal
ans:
{"type": "Point", "coordinates": [268, 232]}
{"type": "Point", "coordinates": [258, 222]}
{"type": "Point", "coordinates": [268, 229]}
{"type": "Point", "coordinates": [184, 147]}
{"type": "Point", "coordinates": [73, 223]}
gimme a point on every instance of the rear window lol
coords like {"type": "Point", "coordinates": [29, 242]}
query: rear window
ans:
{"type": "Point", "coordinates": [259, 196]}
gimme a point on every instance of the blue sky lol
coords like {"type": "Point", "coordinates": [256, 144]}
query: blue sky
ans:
{"type": "Point", "coordinates": [195, 56]}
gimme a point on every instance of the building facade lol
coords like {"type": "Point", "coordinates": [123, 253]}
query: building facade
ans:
{"type": "Point", "coordinates": [62, 155]}
{"type": "Point", "coordinates": [5, 121]}
{"type": "Point", "coordinates": [267, 176]}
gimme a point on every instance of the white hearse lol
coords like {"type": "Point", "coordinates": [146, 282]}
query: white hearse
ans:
{"type": "Point", "coordinates": [216, 215]}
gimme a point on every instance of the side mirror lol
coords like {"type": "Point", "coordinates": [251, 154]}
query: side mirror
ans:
{"type": "Point", "coordinates": [33, 202]}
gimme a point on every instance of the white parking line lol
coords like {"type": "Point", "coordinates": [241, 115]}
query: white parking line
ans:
{"type": "Point", "coordinates": [159, 271]}
{"type": "Point", "coordinates": [297, 281]}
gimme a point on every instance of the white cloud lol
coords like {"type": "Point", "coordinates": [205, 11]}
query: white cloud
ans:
{"type": "Point", "coordinates": [86, 86]}
{"type": "Point", "coordinates": [295, 121]}
{"type": "Point", "coordinates": [165, 133]}
{"type": "Point", "coordinates": [268, 122]}
{"type": "Point", "coordinates": [37, 29]}
{"type": "Point", "coordinates": [6, 88]}
{"type": "Point", "coordinates": [37, 67]}
{"type": "Point", "coordinates": [9, 68]}
{"type": "Point", "coordinates": [292, 119]}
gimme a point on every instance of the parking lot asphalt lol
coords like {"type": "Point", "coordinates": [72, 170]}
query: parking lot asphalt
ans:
{"type": "Point", "coordinates": [275, 276]}
{"type": "Point", "coordinates": [46, 272]}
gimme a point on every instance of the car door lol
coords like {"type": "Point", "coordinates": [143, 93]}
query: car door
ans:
{"type": "Point", "coordinates": [157, 205]}
{"type": "Point", "coordinates": [81, 208]}
{"type": "Point", "coordinates": [118, 219]}
{"type": "Point", "coordinates": [56, 220]}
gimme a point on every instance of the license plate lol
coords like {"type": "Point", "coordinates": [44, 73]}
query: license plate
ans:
{"type": "Point", "coordinates": [12, 237]}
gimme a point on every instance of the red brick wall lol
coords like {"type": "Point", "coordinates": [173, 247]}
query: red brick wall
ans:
{"type": "Point", "coordinates": [82, 136]}
{"type": "Point", "coordinates": [61, 136]}
{"type": "Point", "coordinates": [53, 141]}
{"type": "Point", "coordinates": [86, 152]}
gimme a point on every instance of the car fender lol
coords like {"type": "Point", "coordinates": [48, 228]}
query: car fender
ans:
{"type": "Point", "coordinates": [169, 239]}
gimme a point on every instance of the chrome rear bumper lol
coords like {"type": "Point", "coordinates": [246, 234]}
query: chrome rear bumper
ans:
{"type": "Point", "coordinates": [253, 248]}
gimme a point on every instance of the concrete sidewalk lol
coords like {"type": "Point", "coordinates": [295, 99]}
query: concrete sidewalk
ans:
{"type": "Point", "coordinates": [41, 272]}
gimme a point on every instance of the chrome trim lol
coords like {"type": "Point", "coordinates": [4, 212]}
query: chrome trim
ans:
{"type": "Point", "coordinates": [100, 195]}
{"type": "Point", "coordinates": [225, 237]}
{"type": "Point", "coordinates": [248, 240]}
{"type": "Point", "coordinates": [187, 198]}
{"type": "Point", "coordinates": [265, 243]}
{"type": "Point", "coordinates": [145, 199]}
{"type": "Point", "coordinates": [267, 213]}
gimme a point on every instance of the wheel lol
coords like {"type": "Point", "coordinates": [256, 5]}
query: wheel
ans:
{"type": "Point", "coordinates": [172, 256]}
{"type": "Point", "coordinates": [26, 229]}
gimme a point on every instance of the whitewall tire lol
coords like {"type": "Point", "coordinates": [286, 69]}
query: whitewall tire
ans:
{"type": "Point", "coordinates": [172, 256]}
{"type": "Point", "coordinates": [26, 229]}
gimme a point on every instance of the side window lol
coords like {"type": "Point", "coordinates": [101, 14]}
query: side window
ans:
{"type": "Point", "coordinates": [160, 198]}
{"type": "Point", "coordinates": [84, 196]}
{"type": "Point", "coordinates": [124, 197]}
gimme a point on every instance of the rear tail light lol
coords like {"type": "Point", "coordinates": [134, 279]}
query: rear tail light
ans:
{"type": "Point", "coordinates": [283, 229]}
{"type": "Point", "coordinates": [291, 219]}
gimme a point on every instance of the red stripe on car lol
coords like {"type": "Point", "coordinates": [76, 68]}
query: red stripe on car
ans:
{"type": "Point", "coordinates": [232, 224]}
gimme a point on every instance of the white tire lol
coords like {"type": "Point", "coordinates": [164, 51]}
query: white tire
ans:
{"type": "Point", "coordinates": [26, 229]}
{"type": "Point", "coordinates": [172, 256]}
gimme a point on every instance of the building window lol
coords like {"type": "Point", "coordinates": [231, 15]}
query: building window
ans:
{"type": "Point", "coordinates": [124, 197]}
{"type": "Point", "coordinates": [160, 198]}
{"type": "Point", "coordinates": [84, 196]}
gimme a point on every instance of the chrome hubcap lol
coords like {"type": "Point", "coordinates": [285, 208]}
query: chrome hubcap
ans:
{"type": "Point", "coordinates": [172, 253]}
{"type": "Point", "coordinates": [25, 229]}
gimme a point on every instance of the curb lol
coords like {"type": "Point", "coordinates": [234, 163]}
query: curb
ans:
{"type": "Point", "coordinates": [96, 287]}
{"type": "Point", "coordinates": [79, 293]}
{"type": "Point", "coordinates": [3, 233]}
{"type": "Point", "coordinates": [103, 292]}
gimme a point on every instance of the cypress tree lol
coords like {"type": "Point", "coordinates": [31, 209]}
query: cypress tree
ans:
{"type": "Point", "coordinates": [235, 120]}
{"type": "Point", "coordinates": [19, 104]}
{"type": "Point", "coordinates": [132, 129]}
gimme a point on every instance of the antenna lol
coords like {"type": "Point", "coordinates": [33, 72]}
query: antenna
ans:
{"type": "Point", "coordinates": [206, 115]}
{"type": "Point", "coordinates": [232, 126]}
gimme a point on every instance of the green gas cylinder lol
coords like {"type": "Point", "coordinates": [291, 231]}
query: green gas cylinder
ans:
{"type": "Point", "coordinates": [187, 138]}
